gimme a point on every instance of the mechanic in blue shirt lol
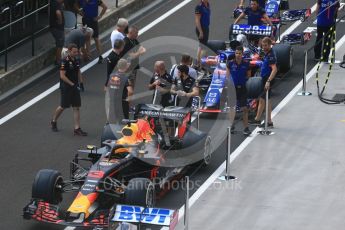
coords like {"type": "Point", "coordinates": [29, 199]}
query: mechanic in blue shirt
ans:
{"type": "Point", "coordinates": [202, 23]}
{"type": "Point", "coordinates": [239, 71]}
{"type": "Point", "coordinates": [89, 11]}
{"type": "Point", "coordinates": [268, 72]}
{"type": "Point", "coordinates": [326, 18]}
{"type": "Point", "coordinates": [256, 15]}
{"type": "Point", "coordinates": [262, 3]}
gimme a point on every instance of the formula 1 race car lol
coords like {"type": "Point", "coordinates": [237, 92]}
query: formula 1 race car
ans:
{"type": "Point", "coordinates": [272, 8]}
{"type": "Point", "coordinates": [294, 15]}
{"type": "Point", "coordinates": [215, 100]}
{"type": "Point", "coordinates": [120, 181]}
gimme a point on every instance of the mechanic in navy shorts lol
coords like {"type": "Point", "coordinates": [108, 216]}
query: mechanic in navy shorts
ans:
{"type": "Point", "coordinates": [70, 76]}
{"type": "Point", "coordinates": [327, 14]}
{"type": "Point", "coordinates": [239, 71]}
{"type": "Point", "coordinates": [202, 23]}
{"type": "Point", "coordinates": [268, 72]}
{"type": "Point", "coordinates": [89, 11]}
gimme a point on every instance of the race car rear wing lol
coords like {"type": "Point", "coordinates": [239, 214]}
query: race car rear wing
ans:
{"type": "Point", "coordinates": [144, 217]}
{"type": "Point", "coordinates": [156, 111]}
{"type": "Point", "coordinates": [250, 30]}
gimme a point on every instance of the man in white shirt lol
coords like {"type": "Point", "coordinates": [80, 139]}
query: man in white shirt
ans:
{"type": "Point", "coordinates": [119, 32]}
{"type": "Point", "coordinates": [185, 60]}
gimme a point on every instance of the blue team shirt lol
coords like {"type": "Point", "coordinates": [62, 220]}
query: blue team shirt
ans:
{"type": "Point", "coordinates": [238, 73]}
{"type": "Point", "coordinates": [327, 12]}
{"type": "Point", "coordinates": [205, 11]}
{"type": "Point", "coordinates": [254, 17]}
{"type": "Point", "coordinates": [269, 59]}
{"type": "Point", "coordinates": [262, 3]}
{"type": "Point", "coordinates": [90, 7]}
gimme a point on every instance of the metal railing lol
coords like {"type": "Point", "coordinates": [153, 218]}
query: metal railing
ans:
{"type": "Point", "coordinates": [7, 30]}
{"type": "Point", "coordinates": [304, 91]}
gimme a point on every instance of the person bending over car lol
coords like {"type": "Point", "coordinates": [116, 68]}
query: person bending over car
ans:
{"type": "Point", "coordinates": [185, 87]}
{"type": "Point", "coordinates": [262, 3]}
{"type": "Point", "coordinates": [161, 81]}
{"type": "Point", "coordinates": [256, 15]}
{"type": "Point", "coordinates": [268, 73]}
{"type": "Point", "coordinates": [239, 71]}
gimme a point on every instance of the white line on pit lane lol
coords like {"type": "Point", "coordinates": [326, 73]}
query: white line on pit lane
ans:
{"type": "Point", "coordinates": [248, 140]}
{"type": "Point", "coordinates": [88, 66]}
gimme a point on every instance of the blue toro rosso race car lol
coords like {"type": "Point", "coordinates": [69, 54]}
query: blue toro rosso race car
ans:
{"type": "Point", "coordinates": [273, 9]}
{"type": "Point", "coordinates": [214, 82]}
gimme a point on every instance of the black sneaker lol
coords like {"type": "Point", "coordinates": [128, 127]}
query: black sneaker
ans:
{"type": "Point", "coordinates": [79, 132]}
{"type": "Point", "coordinates": [53, 125]}
{"type": "Point", "coordinates": [254, 122]}
{"type": "Point", "coordinates": [246, 132]}
{"type": "Point", "coordinates": [100, 60]}
{"type": "Point", "coordinates": [232, 130]}
{"type": "Point", "coordinates": [269, 125]}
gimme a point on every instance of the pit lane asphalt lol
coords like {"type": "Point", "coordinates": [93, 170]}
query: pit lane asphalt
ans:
{"type": "Point", "coordinates": [27, 144]}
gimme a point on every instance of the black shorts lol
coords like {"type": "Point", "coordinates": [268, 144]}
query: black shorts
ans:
{"type": "Point", "coordinates": [59, 36]}
{"type": "Point", "coordinates": [70, 97]}
{"type": "Point", "coordinates": [263, 94]}
{"type": "Point", "coordinates": [90, 22]}
{"type": "Point", "coordinates": [241, 95]}
{"type": "Point", "coordinates": [206, 32]}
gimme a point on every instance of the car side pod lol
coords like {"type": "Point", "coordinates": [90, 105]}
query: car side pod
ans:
{"type": "Point", "coordinates": [142, 217]}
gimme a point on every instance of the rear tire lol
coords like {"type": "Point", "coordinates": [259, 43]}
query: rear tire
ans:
{"type": "Point", "coordinates": [284, 57]}
{"type": "Point", "coordinates": [45, 186]}
{"type": "Point", "coordinates": [216, 45]}
{"type": "Point", "coordinates": [141, 192]}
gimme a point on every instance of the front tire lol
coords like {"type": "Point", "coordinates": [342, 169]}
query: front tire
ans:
{"type": "Point", "coordinates": [47, 186]}
{"type": "Point", "coordinates": [141, 192]}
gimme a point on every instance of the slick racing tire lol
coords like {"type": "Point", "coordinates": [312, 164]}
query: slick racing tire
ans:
{"type": "Point", "coordinates": [216, 45]}
{"type": "Point", "coordinates": [141, 192]}
{"type": "Point", "coordinates": [254, 87]}
{"type": "Point", "coordinates": [47, 186]}
{"type": "Point", "coordinates": [284, 57]}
